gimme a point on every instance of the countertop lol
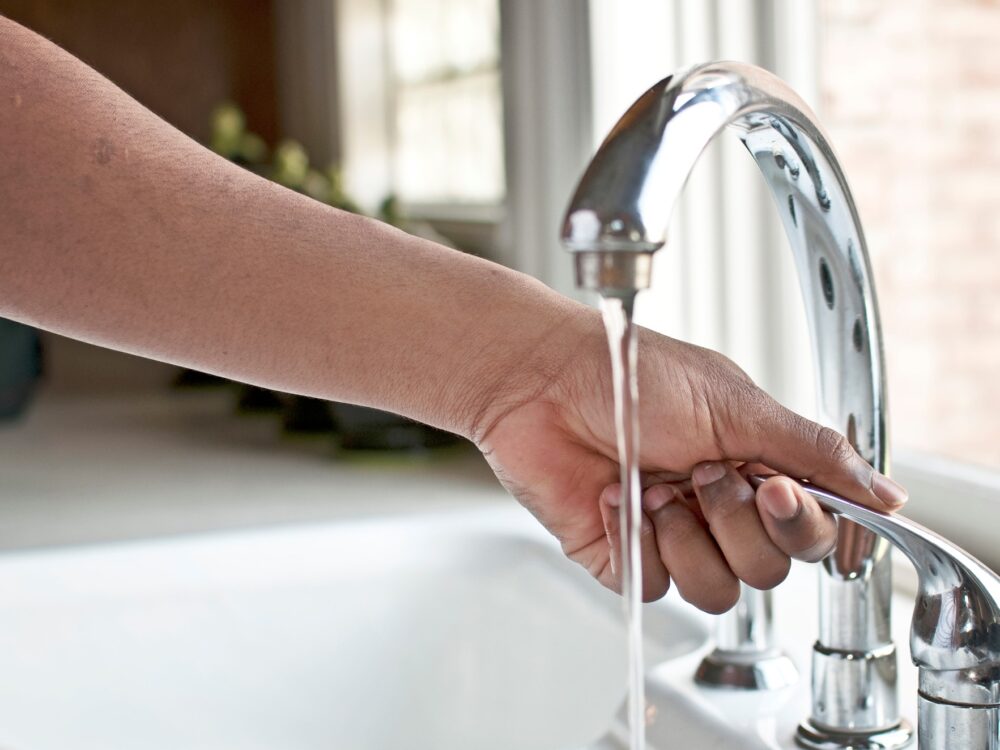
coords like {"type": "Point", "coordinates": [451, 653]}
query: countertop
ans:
{"type": "Point", "coordinates": [81, 470]}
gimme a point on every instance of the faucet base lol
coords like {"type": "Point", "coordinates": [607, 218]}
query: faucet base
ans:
{"type": "Point", "coordinates": [753, 670]}
{"type": "Point", "coordinates": [815, 738]}
{"type": "Point", "coordinates": [947, 725]}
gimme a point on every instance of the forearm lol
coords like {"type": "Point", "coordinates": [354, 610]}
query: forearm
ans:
{"type": "Point", "coordinates": [117, 229]}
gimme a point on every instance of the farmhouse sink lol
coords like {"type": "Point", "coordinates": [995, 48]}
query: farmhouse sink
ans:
{"type": "Point", "coordinates": [457, 629]}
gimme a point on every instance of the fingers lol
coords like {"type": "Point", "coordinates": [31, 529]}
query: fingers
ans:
{"type": "Point", "coordinates": [695, 562]}
{"type": "Point", "coordinates": [794, 521]}
{"type": "Point", "coordinates": [738, 534]}
{"type": "Point", "coordinates": [727, 502]}
{"type": "Point", "coordinates": [803, 449]}
{"type": "Point", "coordinates": [655, 579]}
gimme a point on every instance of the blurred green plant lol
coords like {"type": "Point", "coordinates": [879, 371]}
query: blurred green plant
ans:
{"type": "Point", "coordinates": [231, 139]}
{"type": "Point", "coordinates": [288, 165]}
{"type": "Point", "coordinates": [390, 213]}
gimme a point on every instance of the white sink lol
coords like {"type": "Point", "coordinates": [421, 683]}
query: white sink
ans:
{"type": "Point", "coordinates": [455, 630]}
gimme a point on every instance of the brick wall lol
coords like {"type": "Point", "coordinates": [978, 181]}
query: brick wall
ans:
{"type": "Point", "coordinates": [910, 94]}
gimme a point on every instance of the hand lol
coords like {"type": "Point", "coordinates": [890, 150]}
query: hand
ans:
{"type": "Point", "coordinates": [704, 426]}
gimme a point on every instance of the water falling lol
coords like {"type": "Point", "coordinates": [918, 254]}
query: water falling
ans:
{"type": "Point", "coordinates": [617, 313]}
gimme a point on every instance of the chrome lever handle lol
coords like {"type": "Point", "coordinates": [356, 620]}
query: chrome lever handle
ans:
{"type": "Point", "coordinates": [956, 620]}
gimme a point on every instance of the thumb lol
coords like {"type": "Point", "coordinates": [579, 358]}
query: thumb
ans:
{"type": "Point", "coordinates": [798, 447]}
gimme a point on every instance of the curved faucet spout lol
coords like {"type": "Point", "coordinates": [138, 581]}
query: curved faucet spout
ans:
{"type": "Point", "coordinates": [622, 207]}
{"type": "Point", "coordinates": [627, 195]}
{"type": "Point", "coordinates": [619, 217]}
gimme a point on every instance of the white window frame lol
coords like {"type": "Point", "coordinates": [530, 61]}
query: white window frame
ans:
{"type": "Point", "coordinates": [367, 128]}
{"type": "Point", "coordinates": [445, 211]}
{"type": "Point", "coordinates": [545, 84]}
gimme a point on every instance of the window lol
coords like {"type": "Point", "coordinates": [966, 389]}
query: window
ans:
{"type": "Point", "coordinates": [446, 119]}
{"type": "Point", "coordinates": [420, 106]}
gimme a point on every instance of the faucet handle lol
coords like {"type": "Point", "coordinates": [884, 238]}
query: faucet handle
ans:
{"type": "Point", "coordinates": [956, 620]}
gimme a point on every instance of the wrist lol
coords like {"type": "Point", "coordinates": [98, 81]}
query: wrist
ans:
{"type": "Point", "coordinates": [535, 348]}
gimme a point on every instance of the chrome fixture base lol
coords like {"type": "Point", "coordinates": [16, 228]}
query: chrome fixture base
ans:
{"type": "Point", "coordinates": [856, 684]}
{"type": "Point", "coordinates": [815, 738]}
{"type": "Point", "coordinates": [953, 640]}
{"type": "Point", "coordinates": [745, 655]}
{"type": "Point", "coordinates": [942, 726]}
{"type": "Point", "coordinates": [747, 671]}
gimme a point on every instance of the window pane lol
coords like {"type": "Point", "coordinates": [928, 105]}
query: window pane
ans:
{"type": "Point", "coordinates": [449, 141]}
{"type": "Point", "coordinates": [448, 121]}
{"type": "Point", "coordinates": [911, 97]}
{"type": "Point", "coordinates": [433, 39]}
{"type": "Point", "coordinates": [472, 34]}
{"type": "Point", "coordinates": [417, 52]}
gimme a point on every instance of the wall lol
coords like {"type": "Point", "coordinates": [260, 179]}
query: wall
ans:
{"type": "Point", "coordinates": [910, 93]}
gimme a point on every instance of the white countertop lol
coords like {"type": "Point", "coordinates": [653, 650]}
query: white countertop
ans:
{"type": "Point", "coordinates": [99, 468]}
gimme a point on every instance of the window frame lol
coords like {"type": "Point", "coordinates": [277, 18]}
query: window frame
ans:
{"type": "Point", "coordinates": [545, 85]}
{"type": "Point", "coordinates": [469, 213]}
{"type": "Point", "coordinates": [959, 501]}
{"type": "Point", "coordinates": [368, 137]}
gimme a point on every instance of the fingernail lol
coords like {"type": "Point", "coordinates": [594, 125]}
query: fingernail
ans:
{"type": "Point", "coordinates": [655, 498]}
{"type": "Point", "coordinates": [888, 491]}
{"type": "Point", "coordinates": [708, 472]}
{"type": "Point", "coordinates": [781, 502]}
{"type": "Point", "coordinates": [613, 496]}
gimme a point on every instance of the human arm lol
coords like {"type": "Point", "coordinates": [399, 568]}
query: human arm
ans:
{"type": "Point", "coordinates": [117, 229]}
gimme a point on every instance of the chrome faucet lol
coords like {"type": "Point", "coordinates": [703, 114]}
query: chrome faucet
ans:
{"type": "Point", "coordinates": [618, 218]}
{"type": "Point", "coordinates": [955, 632]}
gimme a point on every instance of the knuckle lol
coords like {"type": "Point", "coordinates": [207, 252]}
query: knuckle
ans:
{"type": "Point", "coordinates": [675, 525]}
{"type": "Point", "coordinates": [723, 511]}
{"type": "Point", "coordinates": [727, 395]}
{"type": "Point", "coordinates": [759, 416]}
{"type": "Point", "coordinates": [744, 395]}
{"type": "Point", "coordinates": [726, 499]}
{"type": "Point", "coordinates": [831, 443]}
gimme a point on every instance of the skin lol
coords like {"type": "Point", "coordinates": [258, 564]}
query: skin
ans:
{"type": "Point", "coordinates": [117, 229]}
